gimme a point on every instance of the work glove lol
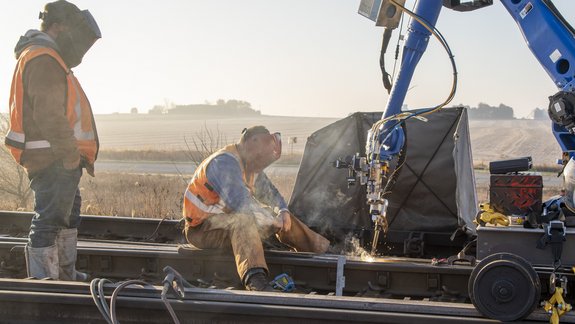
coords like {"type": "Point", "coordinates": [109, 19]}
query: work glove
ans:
{"type": "Point", "coordinates": [285, 217]}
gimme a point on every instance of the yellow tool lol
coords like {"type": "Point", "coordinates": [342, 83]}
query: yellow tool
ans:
{"type": "Point", "coordinates": [556, 306]}
{"type": "Point", "coordinates": [489, 215]}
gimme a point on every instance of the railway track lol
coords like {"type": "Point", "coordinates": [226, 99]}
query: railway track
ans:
{"type": "Point", "coordinates": [330, 288]}
{"type": "Point", "coordinates": [57, 302]}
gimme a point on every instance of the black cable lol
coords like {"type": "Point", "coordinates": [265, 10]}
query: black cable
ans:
{"type": "Point", "coordinates": [164, 298]}
{"type": "Point", "coordinates": [149, 238]}
{"type": "Point", "coordinates": [102, 295]}
{"type": "Point", "coordinates": [115, 296]}
{"type": "Point", "coordinates": [445, 45]}
{"type": "Point", "coordinates": [97, 297]}
{"type": "Point", "coordinates": [397, 48]}
{"type": "Point", "coordinates": [109, 312]}
{"type": "Point", "coordinates": [386, 78]}
{"type": "Point", "coordinates": [400, 162]}
{"type": "Point", "coordinates": [401, 119]}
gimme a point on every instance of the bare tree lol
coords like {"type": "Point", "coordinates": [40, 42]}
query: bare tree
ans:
{"type": "Point", "coordinates": [204, 143]}
{"type": "Point", "coordinates": [13, 178]}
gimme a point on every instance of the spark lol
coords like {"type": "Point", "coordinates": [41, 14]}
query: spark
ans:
{"type": "Point", "coordinates": [366, 257]}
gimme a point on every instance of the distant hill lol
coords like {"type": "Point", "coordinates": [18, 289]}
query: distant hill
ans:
{"type": "Point", "coordinates": [484, 111]}
{"type": "Point", "coordinates": [230, 108]}
{"type": "Point", "coordinates": [213, 110]}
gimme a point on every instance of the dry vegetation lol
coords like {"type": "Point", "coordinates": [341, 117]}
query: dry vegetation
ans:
{"type": "Point", "coordinates": [135, 195]}
{"type": "Point", "coordinates": [160, 196]}
{"type": "Point", "coordinates": [191, 155]}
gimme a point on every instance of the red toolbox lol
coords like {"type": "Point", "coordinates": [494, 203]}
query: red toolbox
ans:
{"type": "Point", "coordinates": [516, 194]}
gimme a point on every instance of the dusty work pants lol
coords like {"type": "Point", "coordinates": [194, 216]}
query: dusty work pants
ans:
{"type": "Point", "coordinates": [57, 203]}
{"type": "Point", "coordinates": [242, 232]}
{"type": "Point", "coordinates": [51, 250]}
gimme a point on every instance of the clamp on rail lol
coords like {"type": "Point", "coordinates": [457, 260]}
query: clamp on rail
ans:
{"type": "Point", "coordinates": [556, 306]}
{"type": "Point", "coordinates": [173, 282]}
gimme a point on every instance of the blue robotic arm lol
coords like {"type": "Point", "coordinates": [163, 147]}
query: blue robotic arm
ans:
{"type": "Point", "coordinates": [552, 41]}
{"type": "Point", "coordinates": [548, 35]}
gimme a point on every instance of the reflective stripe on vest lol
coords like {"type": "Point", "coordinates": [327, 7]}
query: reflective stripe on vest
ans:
{"type": "Point", "coordinates": [19, 140]}
{"type": "Point", "coordinates": [79, 133]}
{"type": "Point", "coordinates": [37, 145]}
{"type": "Point", "coordinates": [15, 139]}
{"type": "Point", "coordinates": [78, 111]}
{"type": "Point", "coordinates": [211, 209]}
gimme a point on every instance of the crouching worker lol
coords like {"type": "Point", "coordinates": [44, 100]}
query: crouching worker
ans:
{"type": "Point", "coordinates": [230, 201]}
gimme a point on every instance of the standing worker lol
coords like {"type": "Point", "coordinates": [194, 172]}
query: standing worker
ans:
{"type": "Point", "coordinates": [52, 134]}
{"type": "Point", "coordinates": [230, 201]}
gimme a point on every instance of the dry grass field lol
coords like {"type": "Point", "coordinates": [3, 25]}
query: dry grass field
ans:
{"type": "Point", "coordinates": [171, 138]}
{"type": "Point", "coordinates": [491, 140]}
{"type": "Point", "coordinates": [505, 139]}
{"type": "Point", "coordinates": [169, 132]}
{"type": "Point", "coordinates": [136, 195]}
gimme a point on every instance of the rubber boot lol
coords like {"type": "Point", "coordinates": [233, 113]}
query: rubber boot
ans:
{"type": "Point", "coordinates": [42, 263]}
{"type": "Point", "coordinates": [66, 241]}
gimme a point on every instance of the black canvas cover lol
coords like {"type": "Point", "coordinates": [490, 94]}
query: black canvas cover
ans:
{"type": "Point", "coordinates": [435, 191]}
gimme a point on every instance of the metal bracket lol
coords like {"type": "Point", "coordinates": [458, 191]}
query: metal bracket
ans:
{"type": "Point", "coordinates": [384, 280]}
{"type": "Point", "coordinates": [461, 257]}
{"type": "Point", "coordinates": [340, 279]}
{"type": "Point", "coordinates": [554, 280]}
{"type": "Point", "coordinates": [433, 281]}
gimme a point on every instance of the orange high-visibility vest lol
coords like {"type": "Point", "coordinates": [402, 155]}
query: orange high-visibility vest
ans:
{"type": "Point", "coordinates": [78, 110]}
{"type": "Point", "coordinates": [200, 199]}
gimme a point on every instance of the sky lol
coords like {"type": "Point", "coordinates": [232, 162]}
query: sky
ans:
{"type": "Point", "coordinates": [316, 58]}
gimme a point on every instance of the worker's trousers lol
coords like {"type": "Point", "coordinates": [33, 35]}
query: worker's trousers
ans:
{"type": "Point", "coordinates": [243, 234]}
{"type": "Point", "coordinates": [57, 203]}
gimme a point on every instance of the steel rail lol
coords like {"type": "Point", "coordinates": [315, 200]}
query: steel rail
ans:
{"type": "Point", "coordinates": [392, 277]}
{"type": "Point", "coordinates": [170, 231]}
{"type": "Point", "coordinates": [72, 302]}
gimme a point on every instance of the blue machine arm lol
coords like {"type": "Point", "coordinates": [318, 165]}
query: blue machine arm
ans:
{"type": "Point", "coordinates": [391, 137]}
{"type": "Point", "coordinates": [552, 41]}
{"type": "Point", "coordinates": [548, 35]}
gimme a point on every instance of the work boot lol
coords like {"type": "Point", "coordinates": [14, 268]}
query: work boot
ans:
{"type": "Point", "coordinates": [66, 241]}
{"type": "Point", "coordinates": [42, 262]}
{"type": "Point", "coordinates": [258, 282]}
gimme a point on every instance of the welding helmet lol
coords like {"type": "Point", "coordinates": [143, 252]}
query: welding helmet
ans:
{"type": "Point", "coordinates": [271, 150]}
{"type": "Point", "coordinates": [81, 32]}
{"type": "Point", "coordinates": [569, 185]}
